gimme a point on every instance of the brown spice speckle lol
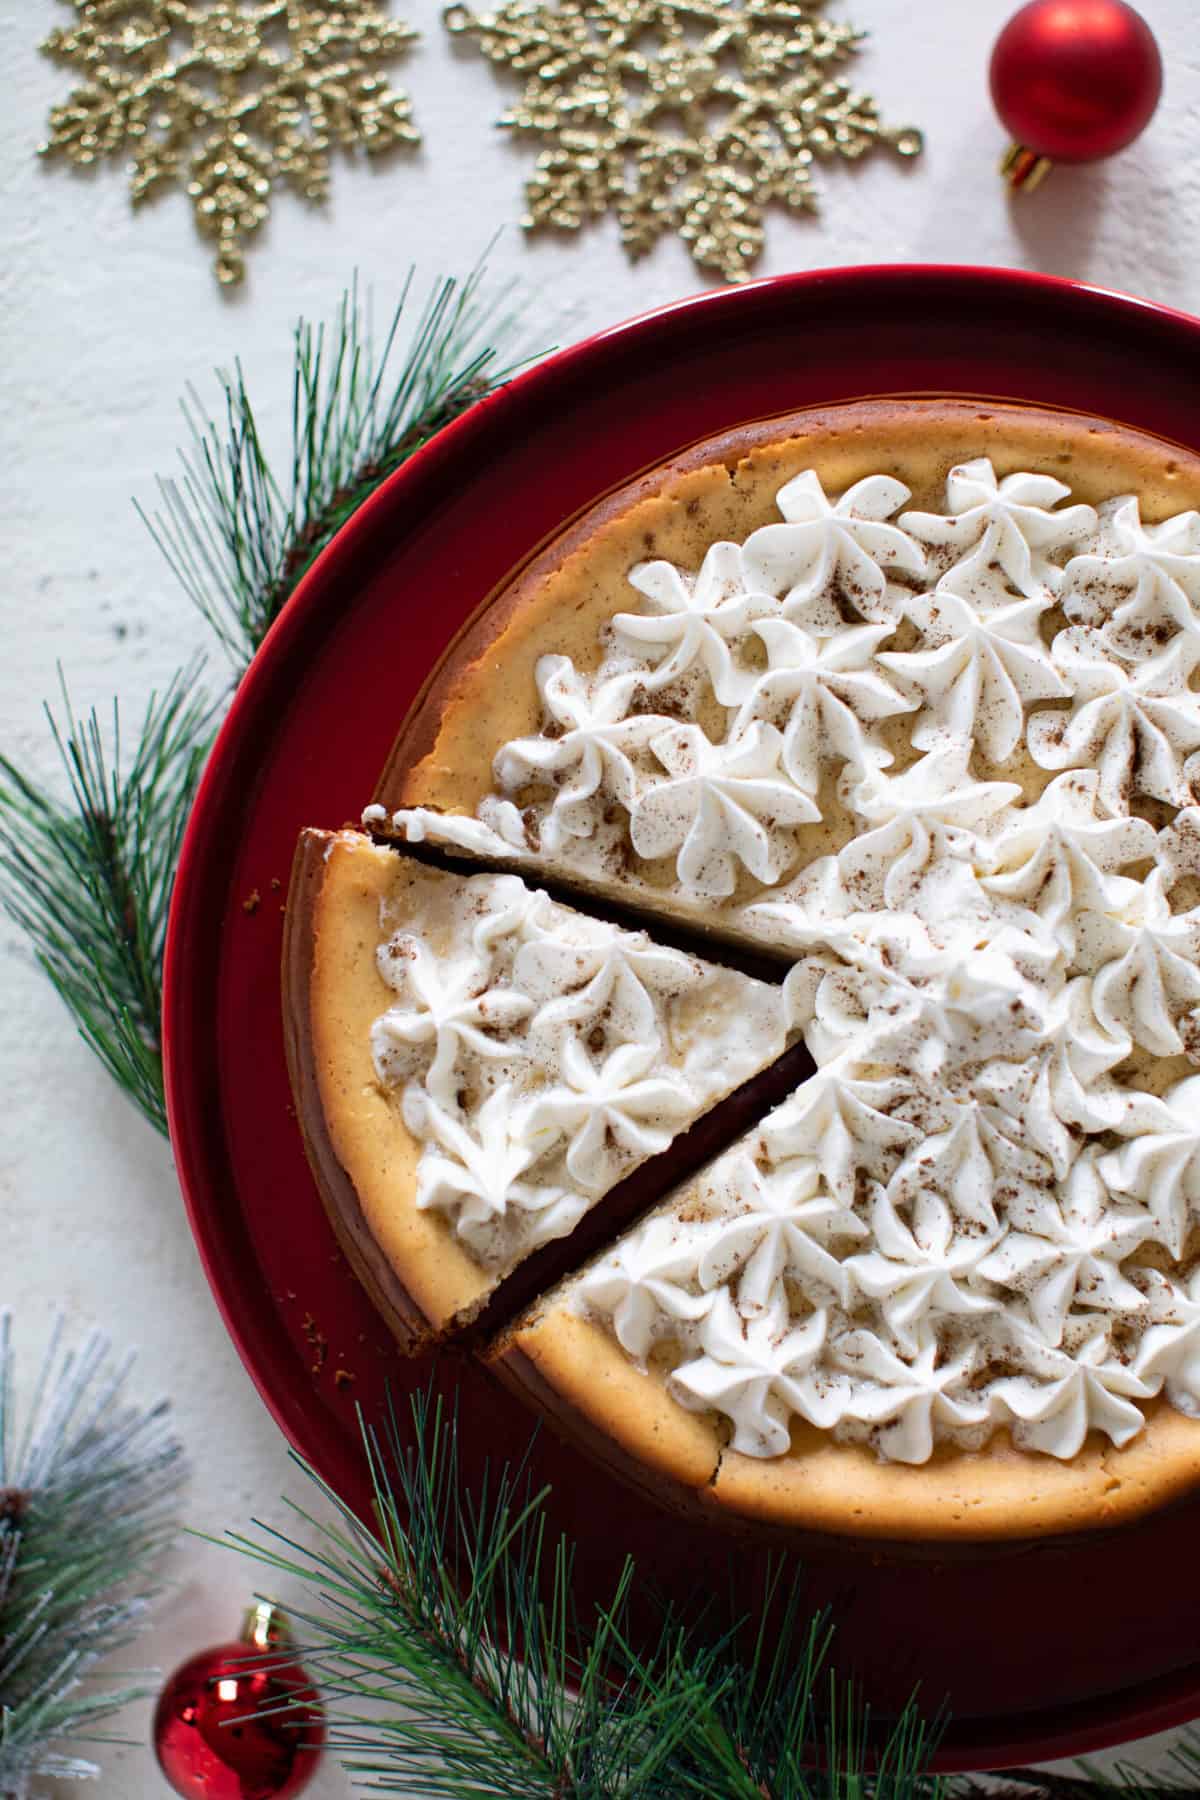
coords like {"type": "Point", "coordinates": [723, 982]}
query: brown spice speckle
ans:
{"type": "Point", "coordinates": [318, 1342]}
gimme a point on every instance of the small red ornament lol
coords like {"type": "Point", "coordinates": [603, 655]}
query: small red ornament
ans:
{"type": "Point", "coordinates": [210, 1745]}
{"type": "Point", "coordinates": [1073, 80]}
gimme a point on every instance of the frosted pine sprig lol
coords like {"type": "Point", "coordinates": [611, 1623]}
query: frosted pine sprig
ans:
{"type": "Point", "coordinates": [88, 1488]}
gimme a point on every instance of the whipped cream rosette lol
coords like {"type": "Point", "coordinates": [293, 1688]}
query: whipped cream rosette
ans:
{"type": "Point", "coordinates": [1016, 527]}
{"type": "Point", "coordinates": [831, 554]}
{"type": "Point", "coordinates": [1140, 584]}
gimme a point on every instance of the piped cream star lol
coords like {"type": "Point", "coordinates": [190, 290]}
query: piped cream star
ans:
{"type": "Point", "coordinates": [719, 805]}
{"type": "Point", "coordinates": [907, 1401]}
{"type": "Point", "coordinates": [831, 548]}
{"type": "Point", "coordinates": [1075, 1255]}
{"type": "Point", "coordinates": [976, 673]}
{"type": "Point", "coordinates": [1089, 1390]}
{"type": "Point", "coordinates": [644, 1282]}
{"type": "Point", "coordinates": [826, 693]}
{"type": "Point", "coordinates": [611, 1113]}
{"type": "Point", "coordinates": [477, 1175]}
{"type": "Point", "coordinates": [1134, 725]}
{"type": "Point", "coordinates": [918, 1270]}
{"type": "Point", "coordinates": [757, 1372]}
{"type": "Point", "coordinates": [1061, 855]}
{"type": "Point", "coordinates": [914, 817]}
{"type": "Point", "coordinates": [1146, 966]}
{"type": "Point", "coordinates": [1142, 586]}
{"type": "Point", "coordinates": [1009, 523]}
{"type": "Point", "coordinates": [589, 750]}
{"type": "Point", "coordinates": [695, 618]}
{"type": "Point", "coordinates": [614, 980]}
{"type": "Point", "coordinates": [1159, 1164]}
{"type": "Point", "coordinates": [778, 1227]}
{"type": "Point", "coordinates": [452, 1011]}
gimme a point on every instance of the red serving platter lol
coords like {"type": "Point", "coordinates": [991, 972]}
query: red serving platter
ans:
{"type": "Point", "coordinates": [1040, 1651]}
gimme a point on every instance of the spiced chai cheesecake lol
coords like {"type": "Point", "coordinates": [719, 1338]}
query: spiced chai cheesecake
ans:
{"type": "Point", "coordinates": [898, 703]}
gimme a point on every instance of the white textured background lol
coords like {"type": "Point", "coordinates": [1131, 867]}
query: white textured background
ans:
{"type": "Point", "coordinates": [107, 318]}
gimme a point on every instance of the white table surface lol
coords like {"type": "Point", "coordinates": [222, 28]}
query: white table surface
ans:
{"type": "Point", "coordinates": [107, 318]}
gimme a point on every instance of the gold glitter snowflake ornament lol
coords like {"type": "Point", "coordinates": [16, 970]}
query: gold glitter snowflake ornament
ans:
{"type": "Point", "coordinates": [688, 116]}
{"type": "Point", "coordinates": [229, 98]}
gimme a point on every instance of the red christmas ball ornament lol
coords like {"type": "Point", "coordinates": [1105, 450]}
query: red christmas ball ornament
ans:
{"type": "Point", "coordinates": [1073, 80]}
{"type": "Point", "coordinates": [218, 1730]}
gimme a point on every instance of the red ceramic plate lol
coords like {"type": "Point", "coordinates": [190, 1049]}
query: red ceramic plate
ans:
{"type": "Point", "coordinates": [1040, 1652]}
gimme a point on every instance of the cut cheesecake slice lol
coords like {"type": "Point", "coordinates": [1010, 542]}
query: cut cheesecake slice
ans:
{"type": "Point", "coordinates": [475, 1066]}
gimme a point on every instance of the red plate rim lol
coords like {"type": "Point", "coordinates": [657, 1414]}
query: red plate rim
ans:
{"type": "Point", "coordinates": [1170, 1701]}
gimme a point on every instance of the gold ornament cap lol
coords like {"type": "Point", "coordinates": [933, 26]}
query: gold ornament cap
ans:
{"type": "Point", "coordinates": [265, 1627]}
{"type": "Point", "coordinates": [1024, 169]}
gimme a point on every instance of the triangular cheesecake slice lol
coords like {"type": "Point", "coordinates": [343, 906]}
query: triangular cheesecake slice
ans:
{"type": "Point", "coordinates": [476, 1065]}
{"type": "Point", "coordinates": [726, 1357]}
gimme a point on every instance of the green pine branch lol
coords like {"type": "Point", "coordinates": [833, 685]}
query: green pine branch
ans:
{"type": "Point", "coordinates": [87, 866]}
{"type": "Point", "coordinates": [87, 1496]}
{"type": "Point", "coordinates": [455, 1663]}
{"type": "Point", "coordinates": [237, 535]}
{"type": "Point", "coordinates": [88, 877]}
